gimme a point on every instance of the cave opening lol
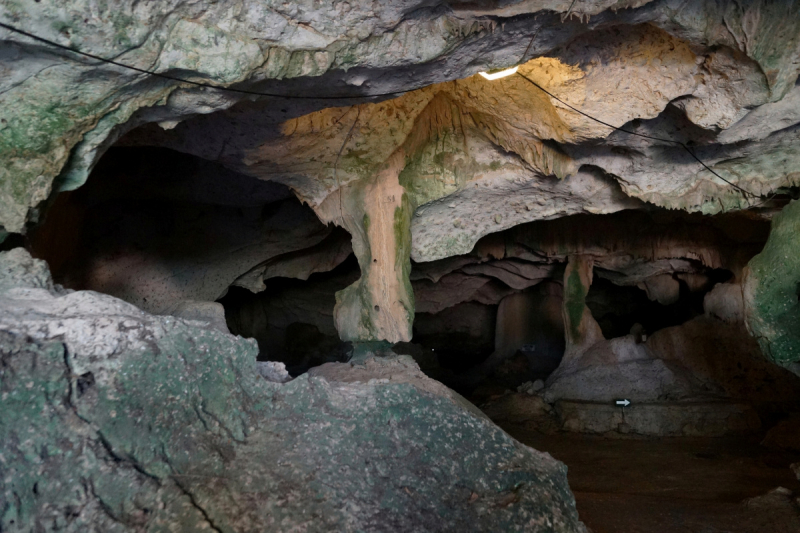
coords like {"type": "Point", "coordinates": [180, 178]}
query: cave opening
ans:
{"type": "Point", "coordinates": [629, 309]}
{"type": "Point", "coordinates": [292, 319]}
{"type": "Point", "coordinates": [338, 266]}
{"type": "Point", "coordinates": [542, 325]}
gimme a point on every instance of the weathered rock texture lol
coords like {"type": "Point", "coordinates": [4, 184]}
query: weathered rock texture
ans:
{"type": "Point", "coordinates": [427, 173]}
{"type": "Point", "coordinates": [117, 420]}
{"type": "Point", "coordinates": [772, 289]}
{"type": "Point", "coordinates": [155, 228]}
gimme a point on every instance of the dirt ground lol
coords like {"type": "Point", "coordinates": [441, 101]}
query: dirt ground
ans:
{"type": "Point", "coordinates": [675, 485]}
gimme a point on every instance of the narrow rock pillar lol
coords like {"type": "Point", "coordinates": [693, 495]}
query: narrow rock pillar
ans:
{"type": "Point", "coordinates": [581, 330]}
{"type": "Point", "coordinates": [377, 213]}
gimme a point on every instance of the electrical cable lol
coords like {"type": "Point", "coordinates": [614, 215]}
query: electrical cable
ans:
{"type": "Point", "coordinates": [48, 42]}
{"type": "Point", "coordinates": [196, 83]}
{"type": "Point", "coordinates": [744, 192]}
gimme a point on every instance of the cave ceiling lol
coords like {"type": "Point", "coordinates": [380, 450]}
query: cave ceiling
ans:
{"type": "Point", "coordinates": [718, 75]}
{"type": "Point", "coordinates": [374, 115]}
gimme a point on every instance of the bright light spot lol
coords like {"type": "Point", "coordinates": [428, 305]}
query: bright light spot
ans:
{"type": "Point", "coordinates": [499, 74]}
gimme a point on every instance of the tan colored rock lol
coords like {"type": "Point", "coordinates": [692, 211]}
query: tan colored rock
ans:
{"type": "Point", "coordinates": [380, 305]}
{"type": "Point", "coordinates": [516, 274]}
{"type": "Point", "coordinates": [785, 435]}
{"type": "Point", "coordinates": [725, 302]}
{"type": "Point", "coordinates": [582, 330]}
{"type": "Point", "coordinates": [450, 290]}
{"type": "Point", "coordinates": [322, 257]}
{"type": "Point", "coordinates": [663, 289]}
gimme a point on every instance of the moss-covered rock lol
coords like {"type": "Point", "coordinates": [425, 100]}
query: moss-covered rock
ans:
{"type": "Point", "coordinates": [772, 289]}
{"type": "Point", "coordinates": [116, 420]}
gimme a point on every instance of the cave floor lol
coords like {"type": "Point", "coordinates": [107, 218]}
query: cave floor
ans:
{"type": "Point", "coordinates": [673, 485]}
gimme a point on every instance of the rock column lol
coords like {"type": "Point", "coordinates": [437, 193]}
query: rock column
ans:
{"type": "Point", "coordinates": [581, 329]}
{"type": "Point", "coordinates": [377, 213]}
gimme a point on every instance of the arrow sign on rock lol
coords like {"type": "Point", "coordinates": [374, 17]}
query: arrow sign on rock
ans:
{"type": "Point", "coordinates": [623, 403]}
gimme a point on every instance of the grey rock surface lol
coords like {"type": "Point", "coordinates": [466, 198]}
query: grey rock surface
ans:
{"type": "Point", "coordinates": [273, 371]}
{"type": "Point", "coordinates": [212, 313]}
{"type": "Point", "coordinates": [117, 420]}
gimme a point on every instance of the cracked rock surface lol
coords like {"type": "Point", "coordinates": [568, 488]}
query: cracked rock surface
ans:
{"type": "Point", "coordinates": [117, 420]}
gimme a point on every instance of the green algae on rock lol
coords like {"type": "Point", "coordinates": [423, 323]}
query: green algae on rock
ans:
{"type": "Point", "coordinates": [772, 289]}
{"type": "Point", "coordinates": [117, 420]}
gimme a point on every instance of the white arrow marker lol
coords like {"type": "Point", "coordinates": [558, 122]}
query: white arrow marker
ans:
{"type": "Point", "coordinates": [623, 403]}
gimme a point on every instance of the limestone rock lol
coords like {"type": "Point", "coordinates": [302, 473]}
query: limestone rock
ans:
{"type": "Point", "coordinates": [143, 418]}
{"type": "Point", "coordinates": [533, 411]}
{"type": "Point", "coordinates": [531, 387]}
{"type": "Point", "coordinates": [777, 497]}
{"type": "Point", "coordinates": [641, 379]}
{"type": "Point", "coordinates": [702, 358]}
{"type": "Point", "coordinates": [687, 419]}
{"type": "Point", "coordinates": [21, 271]}
{"type": "Point", "coordinates": [273, 371]}
{"type": "Point", "coordinates": [450, 290]}
{"type": "Point", "coordinates": [384, 129]}
{"type": "Point", "coordinates": [210, 312]}
{"type": "Point", "coordinates": [772, 309]}
{"type": "Point", "coordinates": [582, 330]}
{"type": "Point", "coordinates": [322, 257]}
{"type": "Point", "coordinates": [725, 302]}
{"type": "Point", "coordinates": [662, 288]}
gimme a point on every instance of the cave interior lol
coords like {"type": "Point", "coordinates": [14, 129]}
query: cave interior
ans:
{"type": "Point", "coordinates": [626, 303]}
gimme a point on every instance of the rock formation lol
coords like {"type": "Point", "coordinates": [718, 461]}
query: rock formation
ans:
{"type": "Point", "coordinates": [117, 420]}
{"type": "Point", "coordinates": [338, 181]}
{"type": "Point", "coordinates": [427, 173]}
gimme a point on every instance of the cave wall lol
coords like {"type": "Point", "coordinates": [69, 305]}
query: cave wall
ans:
{"type": "Point", "coordinates": [155, 228]}
{"type": "Point", "coordinates": [531, 321]}
{"type": "Point", "coordinates": [426, 173]}
{"type": "Point", "coordinates": [473, 209]}
{"type": "Point", "coordinates": [772, 290]}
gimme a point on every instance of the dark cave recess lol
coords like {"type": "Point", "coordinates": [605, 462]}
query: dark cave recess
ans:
{"type": "Point", "coordinates": [150, 214]}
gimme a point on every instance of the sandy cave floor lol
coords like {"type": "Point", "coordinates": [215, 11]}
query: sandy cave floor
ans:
{"type": "Point", "coordinates": [674, 485]}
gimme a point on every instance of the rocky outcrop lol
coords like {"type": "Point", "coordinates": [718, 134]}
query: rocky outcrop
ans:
{"type": "Point", "coordinates": [427, 173]}
{"type": "Point", "coordinates": [117, 420]}
{"type": "Point", "coordinates": [772, 290]}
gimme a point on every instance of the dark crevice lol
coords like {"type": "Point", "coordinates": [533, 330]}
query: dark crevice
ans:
{"type": "Point", "coordinates": [196, 505]}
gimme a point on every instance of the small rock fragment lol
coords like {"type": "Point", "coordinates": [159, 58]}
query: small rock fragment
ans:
{"type": "Point", "coordinates": [273, 371]}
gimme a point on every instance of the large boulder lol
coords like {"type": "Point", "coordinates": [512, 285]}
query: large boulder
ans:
{"type": "Point", "coordinates": [117, 420]}
{"type": "Point", "coordinates": [772, 289]}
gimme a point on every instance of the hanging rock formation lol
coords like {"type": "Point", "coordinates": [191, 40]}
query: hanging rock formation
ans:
{"type": "Point", "coordinates": [461, 158]}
